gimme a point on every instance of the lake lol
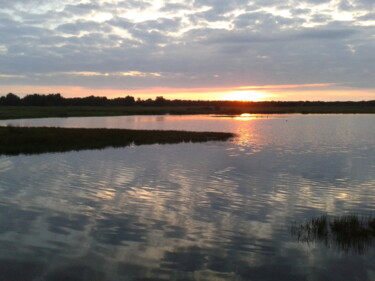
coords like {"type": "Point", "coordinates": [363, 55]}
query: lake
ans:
{"type": "Point", "coordinates": [202, 211]}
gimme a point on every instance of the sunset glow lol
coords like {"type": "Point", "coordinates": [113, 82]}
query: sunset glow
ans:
{"type": "Point", "coordinates": [244, 96]}
{"type": "Point", "coordinates": [190, 140]}
{"type": "Point", "coordinates": [243, 50]}
{"type": "Point", "coordinates": [243, 93]}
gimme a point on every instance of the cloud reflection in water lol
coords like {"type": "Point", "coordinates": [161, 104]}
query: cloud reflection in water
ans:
{"type": "Point", "coordinates": [189, 211]}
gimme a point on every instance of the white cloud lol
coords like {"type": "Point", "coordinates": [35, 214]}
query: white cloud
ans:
{"type": "Point", "coordinates": [3, 49]}
{"type": "Point", "coordinates": [187, 43]}
{"type": "Point", "coordinates": [11, 76]}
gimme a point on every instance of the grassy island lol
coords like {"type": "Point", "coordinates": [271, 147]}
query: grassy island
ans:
{"type": "Point", "coordinates": [31, 140]}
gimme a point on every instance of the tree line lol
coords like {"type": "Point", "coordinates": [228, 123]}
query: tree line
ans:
{"type": "Point", "coordinates": [58, 100]}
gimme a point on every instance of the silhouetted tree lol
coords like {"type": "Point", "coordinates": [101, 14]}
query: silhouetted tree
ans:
{"type": "Point", "coordinates": [159, 101]}
{"type": "Point", "coordinates": [58, 100]}
{"type": "Point", "coordinates": [54, 100]}
{"type": "Point", "coordinates": [127, 101]}
{"type": "Point", "coordinates": [34, 100]}
{"type": "Point", "coordinates": [11, 99]}
{"type": "Point", "coordinates": [43, 100]}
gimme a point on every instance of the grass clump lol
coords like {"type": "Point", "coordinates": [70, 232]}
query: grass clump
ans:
{"type": "Point", "coordinates": [31, 140]}
{"type": "Point", "coordinates": [345, 233]}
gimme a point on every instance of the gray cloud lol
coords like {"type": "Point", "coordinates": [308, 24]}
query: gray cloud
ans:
{"type": "Point", "coordinates": [174, 7]}
{"type": "Point", "coordinates": [77, 27]}
{"type": "Point", "coordinates": [367, 4]}
{"type": "Point", "coordinates": [317, 1]}
{"type": "Point", "coordinates": [356, 4]}
{"type": "Point", "coordinates": [222, 6]}
{"type": "Point", "coordinates": [368, 17]}
{"type": "Point", "coordinates": [264, 22]}
{"type": "Point", "coordinates": [162, 24]}
{"type": "Point", "coordinates": [326, 34]}
{"type": "Point", "coordinates": [238, 41]}
{"type": "Point", "coordinates": [121, 22]}
{"type": "Point", "coordinates": [83, 8]}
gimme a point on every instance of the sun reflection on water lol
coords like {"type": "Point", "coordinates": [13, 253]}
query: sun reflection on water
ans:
{"type": "Point", "coordinates": [191, 211]}
{"type": "Point", "coordinates": [246, 116]}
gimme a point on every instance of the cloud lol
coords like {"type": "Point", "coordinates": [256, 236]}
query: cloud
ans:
{"type": "Point", "coordinates": [264, 21]}
{"type": "Point", "coordinates": [79, 26]}
{"type": "Point", "coordinates": [369, 17]}
{"type": "Point", "coordinates": [121, 22]}
{"type": "Point", "coordinates": [11, 76]}
{"type": "Point", "coordinates": [82, 8]}
{"type": "Point", "coordinates": [332, 34]}
{"type": "Point", "coordinates": [174, 7]}
{"type": "Point", "coordinates": [161, 24]}
{"type": "Point", "coordinates": [357, 4]}
{"type": "Point", "coordinates": [91, 74]}
{"type": "Point", "coordinates": [191, 43]}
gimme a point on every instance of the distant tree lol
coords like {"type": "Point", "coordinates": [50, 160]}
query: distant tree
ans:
{"type": "Point", "coordinates": [11, 99]}
{"type": "Point", "coordinates": [127, 101]}
{"type": "Point", "coordinates": [43, 100]}
{"type": "Point", "coordinates": [159, 101]}
{"type": "Point", "coordinates": [54, 100]}
{"type": "Point", "coordinates": [58, 100]}
{"type": "Point", "coordinates": [94, 101]}
{"type": "Point", "coordinates": [148, 102]}
{"type": "Point", "coordinates": [33, 100]}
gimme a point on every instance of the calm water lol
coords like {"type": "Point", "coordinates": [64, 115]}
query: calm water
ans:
{"type": "Point", "coordinates": [210, 211]}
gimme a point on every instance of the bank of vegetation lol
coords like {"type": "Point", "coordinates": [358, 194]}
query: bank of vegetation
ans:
{"type": "Point", "coordinates": [55, 105]}
{"type": "Point", "coordinates": [347, 233]}
{"type": "Point", "coordinates": [31, 140]}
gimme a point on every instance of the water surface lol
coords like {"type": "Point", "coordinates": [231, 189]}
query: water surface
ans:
{"type": "Point", "coordinates": [208, 211]}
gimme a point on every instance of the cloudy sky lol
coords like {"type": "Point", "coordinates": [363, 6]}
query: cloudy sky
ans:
{"type": "Point", "coordinates": [196, 49]}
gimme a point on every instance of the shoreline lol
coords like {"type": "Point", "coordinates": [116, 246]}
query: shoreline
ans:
{"type": "Point", "coordinates": [26, 112]}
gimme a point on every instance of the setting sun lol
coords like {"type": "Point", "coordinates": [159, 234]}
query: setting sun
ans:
{"type": "Point", "coordinates": [244, 96]}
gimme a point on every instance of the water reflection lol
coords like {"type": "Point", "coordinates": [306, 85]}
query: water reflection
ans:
{"type": "Point", "coordinates": [345, 233]}
{"type": "Point", "coordinates": [213, 211]}
{"type": "Point", "coordinates": [243, 116]}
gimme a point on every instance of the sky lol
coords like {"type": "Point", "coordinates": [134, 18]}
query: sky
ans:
{"type": "Point", "coordinates": [192, 49]}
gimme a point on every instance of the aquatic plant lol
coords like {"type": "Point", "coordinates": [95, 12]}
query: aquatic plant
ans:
{"type": "Point", "coordinates": [345, 233]}
{"type": "Point", "coordinates": [30, 140]}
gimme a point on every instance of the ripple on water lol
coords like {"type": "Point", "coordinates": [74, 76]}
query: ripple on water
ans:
{"type": "Point", "coordinates": [5, 164]}
{"type": "Point", "coordinates": [189, 211]}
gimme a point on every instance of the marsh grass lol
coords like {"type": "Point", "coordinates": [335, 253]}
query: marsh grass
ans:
{"type": "Point", "coordinates": [31, 140]}
{"type": "Point", "coordinates": [17, 112]}
{"type": "Point", "coordinates": [345, 233]}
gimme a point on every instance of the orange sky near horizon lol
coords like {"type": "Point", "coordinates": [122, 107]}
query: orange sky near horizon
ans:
{"type": "Point", "coordinates": [293, 92]}
{"type": "Point", "coordinates": [200, 50]}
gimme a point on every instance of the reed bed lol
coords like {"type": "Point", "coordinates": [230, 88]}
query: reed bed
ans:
{"type": "Point", "coordinates": [17, 112]}
{"type": "Point", "coordinates": [31, 140]}
{"type": "Point", "coordinates": [345, 233]}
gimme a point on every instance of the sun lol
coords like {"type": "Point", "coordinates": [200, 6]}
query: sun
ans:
{"type": "Point", "coordinates": [244, 96]}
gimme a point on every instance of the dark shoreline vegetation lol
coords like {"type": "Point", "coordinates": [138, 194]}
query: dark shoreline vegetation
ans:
{"type": "Point", "coordinates": [347, 233]}
{"type": "Point", "coordinates": [35, 140]}
{"type": "Point", "coordinates": [54, 105]}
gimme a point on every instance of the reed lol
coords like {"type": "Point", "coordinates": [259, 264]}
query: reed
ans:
{"type": "Point", "coordinates": [31, 140]}
{"type": "Point", "coordinates": [346, 233]}
{"type": "Point", "coordinates": [17, 112]}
